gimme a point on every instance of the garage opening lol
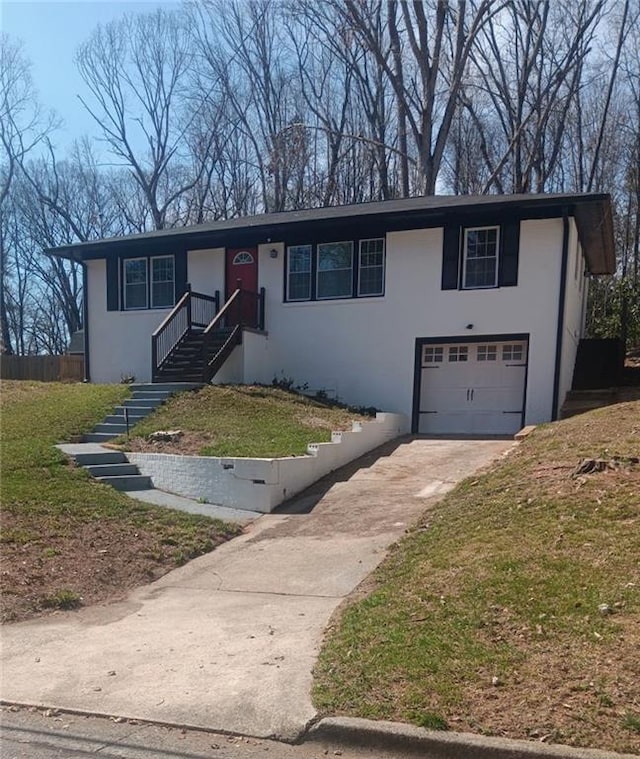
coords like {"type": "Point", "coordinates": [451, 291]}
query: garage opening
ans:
{"type": "Point", "coordinates": [471, 387]}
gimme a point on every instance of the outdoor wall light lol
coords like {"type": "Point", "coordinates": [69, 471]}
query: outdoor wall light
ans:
{"type": "Point", "coordinates": [273, 252]}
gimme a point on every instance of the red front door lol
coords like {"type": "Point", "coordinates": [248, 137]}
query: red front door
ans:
{"type": "Point", "coordinates": [242, 272]}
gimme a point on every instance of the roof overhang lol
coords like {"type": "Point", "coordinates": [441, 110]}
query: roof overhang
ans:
{"type": "Point", "coordinates": [592, 213]}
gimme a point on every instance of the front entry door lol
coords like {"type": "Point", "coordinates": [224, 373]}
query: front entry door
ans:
{"type": "Point", "coordinates": [242, 271]}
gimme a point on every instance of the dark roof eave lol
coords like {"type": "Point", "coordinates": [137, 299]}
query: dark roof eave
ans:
{"type": "Point", "coordinates": [592, 212]}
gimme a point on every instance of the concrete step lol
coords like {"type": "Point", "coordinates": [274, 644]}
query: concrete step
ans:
{"type": "Point", "coordinates": [145, 395]}
{"type": "Point", "coordinates": [172, 387]}
{"type": "Point", "coordinates": [96, 459]}
{"type": "Point", "coordinates": [127, 482]}
{"type": "Point", "coordinates": [98, 437]}
{"type": "Point", "coordinates": [112, 470]}
{"type": "Point", "coordinates": [137, 411]}
{"type": "Point", "coordinates": [150, 403]}
{"type": "Point", "coordinates": [120, 419]}
{"type": "Point", "coordinates": [112, 429]}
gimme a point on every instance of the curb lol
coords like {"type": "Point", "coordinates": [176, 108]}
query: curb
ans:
{"type": "Point", "coordinates": [429, 744]}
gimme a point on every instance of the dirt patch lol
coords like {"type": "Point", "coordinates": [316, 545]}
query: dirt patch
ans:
{"type": "Point", "coordinates": [189, 444]}
{"type": "Point", "coordinates": [80, 564]}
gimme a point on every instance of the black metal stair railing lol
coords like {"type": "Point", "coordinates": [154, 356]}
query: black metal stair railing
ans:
{"type": "Point", "coordinates": [191, 311]}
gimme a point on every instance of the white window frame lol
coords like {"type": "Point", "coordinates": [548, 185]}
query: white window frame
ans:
{"type": "Point", "coordinates": [151, 282]}
{"type": "Point", "coordinates": [458, 354]}
{"type": "Point", "coordinates": [344, 268]}
{"type": "Point", "coordinates": [148, 268]}
{"type": "Point", "coordinates": [486, 352]}
{"type": "Point", "coordinates": [309, 273]}
{"type": "Point", "coordinates": [242, 258]}
{"type": "Point", "coordinates": [496, 258]}
{"type": "Point", "coordinates": [432, 354]}
{"type": "Point", "coordinates": [125, 283]}
{"type": "Point", "coordinates": [361, 267]}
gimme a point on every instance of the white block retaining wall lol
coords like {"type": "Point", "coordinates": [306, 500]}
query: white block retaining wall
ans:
{"type": "Point", "coordinates": [263, 484]}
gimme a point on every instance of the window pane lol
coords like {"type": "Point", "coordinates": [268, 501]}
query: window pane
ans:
{"type": "Point", "coordinates": [162, 294]}
{"type": "Point", "coordinates": [335, 270]}
{"type": "Point", "coordinates": [371, 274]}
{"type": "Point", "coordinates": [481, 257]}
{"type": "Point", "coordinates": [299, 272]}
{"type": "Point", "coordinates": [135, 283]}
{"type": "Point", "coordinates": [162, 282]}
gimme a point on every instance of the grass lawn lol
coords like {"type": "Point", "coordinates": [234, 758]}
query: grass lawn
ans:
{"type": "Point", "coordinates": [67, 539]}
{"type": "Point", "coordinates": [513, 608]}
{"type": "Point", "coordinates": [242, 420]}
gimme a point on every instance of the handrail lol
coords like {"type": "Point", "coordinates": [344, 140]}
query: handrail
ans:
{"type": "Point", "coordinates": [192, 309]}
{"type": "Point", "coordinates": [222, 312]}
{"type": "Point", "coordinates": [171, 314]}
{"type": "Point", "coordinates": [224, 351]}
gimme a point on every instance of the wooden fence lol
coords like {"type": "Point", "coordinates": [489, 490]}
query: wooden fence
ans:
{"type": "Point", "coordinates": [42, 368]}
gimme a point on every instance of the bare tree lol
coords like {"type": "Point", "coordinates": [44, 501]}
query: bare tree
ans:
{"type": "Point", "coordinates": [22, 128]}
{"type": "Point", "coordinates": [424, 55]}
{"type": "Point", "coordinates": [527, 69]}
{"type": "Point", "coordinates": [136, 70]}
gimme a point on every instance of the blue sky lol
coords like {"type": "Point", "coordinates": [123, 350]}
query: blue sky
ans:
{"type": "Point", "coordinates": [51, 31]}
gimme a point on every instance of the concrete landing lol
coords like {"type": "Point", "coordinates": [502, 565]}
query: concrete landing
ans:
{"type": "Point", "coordinates": [171, 501]}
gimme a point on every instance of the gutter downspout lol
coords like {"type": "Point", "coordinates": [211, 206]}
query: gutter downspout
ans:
{"type": "Point", "coordinates": [85, 320]}
{"type": "Point", "coordinates": [561, 302]}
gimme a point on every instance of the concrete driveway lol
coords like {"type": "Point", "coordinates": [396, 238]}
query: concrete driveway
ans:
{"type": "Point", "coordinates": [228, 642]}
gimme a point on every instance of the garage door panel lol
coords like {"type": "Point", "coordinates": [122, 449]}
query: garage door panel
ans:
{"type": "Point", "coordinates": [473, 388]}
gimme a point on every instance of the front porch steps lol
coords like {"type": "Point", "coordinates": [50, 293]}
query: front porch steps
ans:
{"type": "Point", "coordinates": [145, 398]}
{"type": "Point", "coordinates": [186, 362]}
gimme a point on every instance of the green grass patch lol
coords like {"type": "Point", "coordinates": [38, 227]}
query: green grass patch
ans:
{"type": "Point", "coordinates": [487, 615]}
{"type": "Point", "coordinates": [63, 599]}
{"type": "Point", "coordinates": [245, 420]}
{"type": "Point", "coordinates": [92, 537]}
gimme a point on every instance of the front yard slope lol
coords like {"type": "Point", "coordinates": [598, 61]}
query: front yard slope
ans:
{"type": "Point", "coordinates": [513, 608]}
{"type": "Point", "coordinates": [242, 420]}
{"type": "Point", "coordinates": [68, 540]}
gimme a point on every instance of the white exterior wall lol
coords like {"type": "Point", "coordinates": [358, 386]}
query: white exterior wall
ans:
{"type": "Point", "coordinates": [205, 271]}
{"type": "Point", "coordinates": [362, 350]}
{"type": "Point", "coordinates": [574, 312]}
{"type": "Point", "coordinates": [119, 341]}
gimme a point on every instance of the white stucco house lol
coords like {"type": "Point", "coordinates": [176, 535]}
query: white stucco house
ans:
{"type": "Point", "coordinates": [464, 313]}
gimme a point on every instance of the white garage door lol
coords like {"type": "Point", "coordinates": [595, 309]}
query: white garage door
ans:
{"type": "Point", "coordinates": [472, 388]}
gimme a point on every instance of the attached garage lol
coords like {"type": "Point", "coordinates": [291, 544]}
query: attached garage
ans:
{"type": "Point", "coordinates": [471, 387]}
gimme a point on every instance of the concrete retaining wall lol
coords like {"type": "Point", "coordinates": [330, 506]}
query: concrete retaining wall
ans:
{"type": "Point", "coordinates": [262, 484]}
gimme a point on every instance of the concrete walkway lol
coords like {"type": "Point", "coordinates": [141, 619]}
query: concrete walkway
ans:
{"type": "Point", "coordinates": [228, 642]}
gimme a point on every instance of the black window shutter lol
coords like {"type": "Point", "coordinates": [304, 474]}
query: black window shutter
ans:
{"type": "Point", "coordinates": [451, 257]}
{"type": "Point", "coordinates": [509, 248]}
{"type": "Point", "coordinates": [181, 274]}
{"type": "Point", "coordinates": [112, 284]}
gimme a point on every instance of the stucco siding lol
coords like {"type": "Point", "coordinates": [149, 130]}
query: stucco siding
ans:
{"type": "Point", "coordinates": [205, 271]}
{"type": "Point", "coordinates": [120, 341]}
{"type": "Point", "coordinates": [362, 350]}
{"type": "Point", "coordinates": [574, 312]}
